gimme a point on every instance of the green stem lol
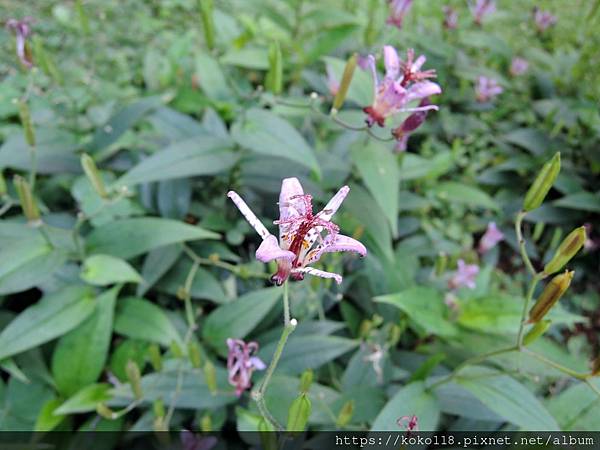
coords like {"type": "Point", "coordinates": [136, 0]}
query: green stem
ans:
{"type": "Point", "coordinates": [561, 368]}
{"type": "Point", "coordinates": [33, 172]}
{"type": "Point", "coordinates": [536, 279]}
{"type": "Point", "coordinates": [521, 241]}
{"type": "Point", "coordinates": [286, 305]}
{"type": "Point", "coordinates": [221, 264]}
{"type": "Point", "coordinates": [592, 387]}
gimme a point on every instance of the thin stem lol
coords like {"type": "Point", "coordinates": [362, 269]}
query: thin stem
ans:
{"type": "Point", "coordinates": [561, 368]}
{"type": "Point", "coordinates": [221, 264]}
{"type": "Point", "coordinates": [536, 279]}
{"type": "Point", "coordinates": [372, 134]}
{"type": "Point", "coordinates": [286, 305]}
{"type": "Point", "coordinates": [347, 125]}
{"type": "Point", "coordinates": [33, 171]}
{"type": "Point", "coordinates": [7, 205]}
{"type": "Point", "coordinates": [592, 387]}
{"type": "Point", "coordinates": [189, 311]}
{"type": "Point", "coordinates": [521, 241]}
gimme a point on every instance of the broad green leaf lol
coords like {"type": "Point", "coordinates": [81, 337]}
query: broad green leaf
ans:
{"type": "Point", "coordinates": [212, 80]}
{"type": "Point", "coordinates": [452, 191]}
{"type": "Point", "coordinates": [583, 201]}
{"type": "Point", "coordinates": [156, 264]}
{"type": "Point", "coordinates": [22, 403]}
{"type": "Point", "coordinates": [173, 198]}
{"type": "Point", "coordinates": [86, 399]}
{"type": "Point", "coordinates": [139, 319]}
{"type": "Point", "coordinates": [238, 318]}
{"type": "Point", "coordinates": [410, 400]}
{"type": "Point", "coordinates": [52, 316]}
{"type": "Point", "coordinates": [195, 156]}
{"type": "Point", "coordinates": [266, 133]}
{"type": "Point", "coordinates": [131, 237]}
{"type": "Point", "coordinates": [508, 398]}
{"type": "Point", "coordinates": [378, 168]}
{"type": "Point", "coordinates": [204, 286]}
{"type": "Point", "coordinates": [129, 349]}
{"type": "Point", "coordinates": [101, 270]}
{"type": "Point", "coordinates": [424, 306]}
{"type": "Point", "coordinates": [247, 57]}
{"type": "Point", "coordinates": [47, 420]}
{"type": "Point", "coordinates": [80, 355]}
{"type": "Point", "coordinates": [455, 399]}
{"type": "Point", "coordinates": [576, 408]}
{"type": "Point", "coordinates": [531, 139]}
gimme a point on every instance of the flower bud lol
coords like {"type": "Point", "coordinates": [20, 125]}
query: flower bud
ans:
{"type": "Point", "coordinates": [268, 439]}
{"type": "Point", "coordinates": [210, 377]}
{"type": "Point", "coordinates": [345, 414]}
{"type": "Point", "coordinates": [536, 331]}
{"type": "Point", "coordinates": [441, 263]}
{"type": "Point", "coordinates": [566, 250]}
{"type": "Point", "coordinates": [208, 26]}
{"type": "Point", "coordinates": [134, 377]}
{"type": "Point", "coordinates": [91, 171]}
{"type": "Point", "coordinates": [26, 122]}
{"type": "Point", "coordinates": [299, 413]}
{"type": "Point", "coordinates": [342, 91]}
{"type": "Point", "coordinates": [206, 423]}
{"type": "Point", "coordinates": [550, 295]}
{"type": "Point", "coordinates": [28, 204]}
{"type": "Point", "coordinates": [3, 188]}
{"type": "Point", "coordinates": [194, 354]}
{"type": "Point", "coordinates": [105, 411]}
{"type": "Point", "coordinates": [155, 357]}
{"type": "Point", "coordinates": [274, 80]}
{"type": "Point", "coordinates": [542, 184]}
{"type": "Point", "coordinates": [160, 426]}
{"type": "Point", "coordinates": [159, 408]}
{"type": "Point", "coordinates": [176, 349]}
{"type": "Point", "coordinates": [306, 380]}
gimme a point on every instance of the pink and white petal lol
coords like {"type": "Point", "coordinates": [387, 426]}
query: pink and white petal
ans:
{"type": "Point", "coordinates": [269, 250]}
{"type": "Point", "coordinates": [418, 63]}
{"type": "Point", "coordinates": [421, 108]}
{"type": "Point", "coordinates": [391, 61]}
{"type": "Point", "coordinates": [371, 64]}
{"type": "Point", "coordinates": [319, 273]}
{"type": "Point", "coordinates": [257, 363]}
{"type": "Point", "coordinates": [337, 243]}
{"type": "Point", "coordinates": [423, 89]}
{"type": "Point", "coordinates": [291, 205]}
{"type": "Point", "coordinates": [248, 214]}
{"type": "Point", "coordinates": [334, 203]}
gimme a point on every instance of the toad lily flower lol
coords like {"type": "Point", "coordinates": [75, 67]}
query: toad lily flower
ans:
{"type": "Point", "coordinates": [398, 10]}
{"type": "Point", "coordinates": [482, 8]}
{"type": "Point", "coordinates": [518, 66]}
{"type": "Point", "coordinates": [241, 363]}
{"type": "Point", "coordinates": [22, 30]}
{"type": "Point", "coordinates": [301, 242]}
{"type": "Point", "coordinates": [403, 83]}
{"type": "Point", "coordinates": [543, 19]}
{"type": "Point", "coordinates": [486, 89]}
{"type": "Point", "coordinates": [464, 276]}
{"type": "Point", "coordinates": [410, 124]}
{"type": "Point", "coordinates": [490, 238]}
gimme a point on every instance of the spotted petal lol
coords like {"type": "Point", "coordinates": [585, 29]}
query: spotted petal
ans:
{"type": "Point", "coordinates": [391, 61]}
{"type": "Point", "coordinates": [337, 243]}
{"type": "Point", "coordinates": [423, 89]}
{"type": "Point", "coordinates": [248, 214]}
{"type": "Point", "coordinates": [290, 206]}
{"type": "Point", "coordinates": [319, 273]}
{"type": "Point", "coordinates": [269, 250]}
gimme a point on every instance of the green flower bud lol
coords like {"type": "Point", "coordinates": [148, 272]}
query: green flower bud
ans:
{"type": "Point", "coordinates": [28, 204]}
{"type": "Point", "coordinates": [176, 349]}
{"type": "Point", "coordinates": [106, 412]}
{"type": "Point", "coordinates": [299, 413]}
{"type": "Point", "coordinates": [194, 354]}
{"type": "Point", "coordinates": [345, 414]}
{"type": "Point", "coordinates": [536, 331]}
{"type": "Point", "coordinates": [340, 96]}
{"type": "Point", "coordinates": [441, 263]}
{"type": "Point", "coordinates": [91, 171]}
{"type": "Point", "coordinates": [208, 26]}
{"type": "Point", "coordinates": [553, 291]}
{"type": "Point", "coordinates": [3, 188]}
{"type": "Point", "coordinates": [542, 184]}
{"type": "Point", "coordinates": [306, 380]}
{"type": "Point", "coordinates": [155, 357]}
{"type": "Point", "coordinates": [566, 250]}
{"type": "Point", "coordinates": [26, 122]}
{"type": "Point", "coordinates": [210, 377]}
{"type": "Point", "coordinates": [206, 423]}
{"type": "Point", "coordinates": [267, 436]}
{"type": "Point", "coordinates": [274, 80]}
{"type": "Point", "coordinates": [159, 408]}
{"type": "Point", "coordinates": [134, 377]}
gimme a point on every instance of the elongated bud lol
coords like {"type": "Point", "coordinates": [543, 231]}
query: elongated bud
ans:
{"type": "Point", "coordinates": [538, 229]}
{"type": "Point", "coordinates": [345, 414]}
{"type": "Point", "coordinates": [268, 439]}
{"type": "Point", "coordinates": [135, 378]}
{"type": "Point", "coordinates": [299, 413]}
{"type": "Point", "coordinates": [566, 250]}
{"type": "Point", "coordinates": [25, 117]}
{"type": "Point", "coordinates": [395, 334]}
{"type": "Point", "coordinates": [106, 412]}
{"type": "Point", "coordinates": [536, 331]}
{"type": "Point", "coordinates": [274, 81]}
{"type": "Point", "coordinates": [365, 328]}
{"type": "Point", "coordinates": [159, 408]}
{"type": "Point", "coordinates": [28, 204]}
{"type": "Point", "coordinates": [306, 380]}
{"type": "Point", "coordinates": [194, 354]}
{"type": "Point", "coordinates": [45, 61]}
{"type": "Point", "coordinates": [210, 376]}
{"type": "Point", "coordinates": [176, 349]}
{"type": "Point", "coordinates": [208, 25]}
{"type": "Point", "coordinates": [340, 96]}
{"type": "Point", "coordinates": [91, 171]}
{"type": "Point", "coordinates": [206, 423]}
{"type": "Point", "coordinates": [595, 367]}
{"type": "Point", "coordinates": [160, 426]}
{"type": "Point", "coordinates": [550, 295]}
{"type": "Point", "coordinates": [83, 18]}
{"type": "Point", "coordinates": [155, 357]}
{"type": "Point", "coordinates": [3, 188]}
{"type": "Point", "coordinates": [542, 184]}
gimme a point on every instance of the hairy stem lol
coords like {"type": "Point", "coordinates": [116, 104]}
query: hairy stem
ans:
{"type": "Point", "coordinates": [221, 264]}
{"type": "Point", "coordinates": [536, 279]}
{"type": "Point", "coordinates": [521, 242]}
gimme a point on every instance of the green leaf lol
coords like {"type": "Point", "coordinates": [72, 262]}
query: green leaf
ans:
{"type": "Point", "coordinates": [204, 286]}
{"type": "Point", "coordinates": [129, 349]}
{"type": "Point", "coordinates": [425, 307]}
{"type": "Point", "coordinates": [461, 193]}
{"type": "Point", "coordinates": [576, 408]}
{"type": "Point", "coordinates": [410, 400]}
{"type": "Point", "coordinates": [508, 398]}
{"type": "Point", "coordinates": [139, 319]}
{"type": "Point", "coordinates": [266, 133]}
{"type": "Point", "coordinates": [531, 139]}
{"type": "Point", "coordinates": [127, 238]}
{"type": "Point", "coordinates": [238, 318]}
{"type": "Point", "coordinates": [583, 201]}
{"type": "Point", "coordinates": [86, 399]}
{"type": "Point", "coordinates": [101, 270]}
{"type": "Point", "coordinates": [22, 403]}
{"type": "Point", "coordinates": [211, 78]}
{"type": "Point", "coordinates": [156, 264]}
{"type": "Point", "coordinates": [80, 356]}
{"type": "Point", "coordinates": [378, 167]}
{"type": "Point", "coordinates": [195, 156]}
{"type": "Point", "coordinates": [247, 57]}
{"type": "Point", "coordinates": [54, 315]}
{"type": "Point", "coordinates": [47, 420]}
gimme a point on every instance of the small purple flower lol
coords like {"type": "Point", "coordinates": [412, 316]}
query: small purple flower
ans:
{"type": "Point", "coordinates": [450, 18]}
{"type": "Point", "coordinates": [403, 83]}
{"type": "Point", "coordinates": [482, 8]}
{"type": "Point", "coordinates": [464, 276]}
{"type": "Point", "coordinates": [490, 238]}
{"type": "Point", "coordinates": [410, 124]}
{"type": "Point", "coordinates": [332, 82]}
{"type": "Point", "coordinates": [301, 242]}
{"type": "Point", "coordinates": [241, 363]}
{"type": "Point", "coordinates": [22, 30]}
{"type": "Point", "coordinates": [191, 441]}
{"type": "Point", "coordinates": [363, 61]}
{"type": "Point", "coordinates": [486, 89]}
{"type": "Point", "coordinates": [398, 10]}
{"type": "Point", "coordinates": [518, 66]}
{"type": "Point", "coordinates": [543, 19]}
{"type": "Point", "coordinates": [409, 423]}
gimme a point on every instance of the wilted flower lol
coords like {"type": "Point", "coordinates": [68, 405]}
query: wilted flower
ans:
{"type": "Point", "coordinates": [398, 9]}
{"type": "Point", "coordinates": [301, 242]}
{"type": "Point", "coordinates": [403, 82]}
{"type": "Point", "coordinates": [22, 30]}
{"type": "Point", "coordinates": [482, 8]}
{"type": "Point", "coordinates": [375, 357]}
{"type": "Point", "coordinates": [518, 66]}
{"type": "Point", "coordinates": [410, 124]}
{"type": "Point", "coordinates": [543, 19]}
{"type": "Point", "coordinates": [332, 82]}
{"type": "Point", "coordinates": [450, 18]}
{"type": "Point", "coordinates": [409, 423]}
{"type": "Point", "coordinates": [464, 276]}
{"type": "Point", "coordinates": [191, 441]}
{"type": "Point", "coordinates": [241, 363]}
{"type": "Point", "coordinates": [490, 238]}
{"type": "Point", "coordinates": [486, 89]}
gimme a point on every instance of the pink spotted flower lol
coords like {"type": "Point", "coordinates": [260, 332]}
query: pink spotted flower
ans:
{"type": "Point", "coordinates": [241, 363]}
{"type": "Point", "coordinates": [490, 238]}
{"type": "Point", "coordinates": [543, 19]}
{"type": "Point", "coordinates": [398, 10]}
{"type": "Point", "coordinates": [22, 30]}
{"type": "Point", "coordinates": [518, 66]}
{"type": "Point", "coordinates": [464, 276]}
{"type": "Point", "coordinates": [410, 124]}
{"type": "Point", "coordinates": [303, 236]}
{"type": "Point", "coordinates": [486, 89]}
{"type": "Point", "coordinates": [482, 8]}
{"type": "Point", "coordinates": [403, 83]}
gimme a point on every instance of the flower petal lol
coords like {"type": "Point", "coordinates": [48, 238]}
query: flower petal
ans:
{"type": "Point", "coordinates": [257, 363]}
{"type": "Point", "coordinates": [391, 61]}
{"type": "Point", "coordinates": [291, 205]}
{"type": "Point", "coordinates": [249, 215]}
{"type": "Point", "coordinates": [334, 243]}
{"type": "Point", "coordinates": [270, 250]}
{"type": "Point", "coordinates": [319, 273]}
{"type": "Point", "coordinates": [423, 89]}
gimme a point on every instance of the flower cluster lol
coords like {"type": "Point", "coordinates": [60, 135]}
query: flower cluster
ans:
{"type": "Point", "coordinates": [518, 66]}
{"type": "Point", "coordinates": [241, 363]}
{"type": "Point", "coordinates": [543, 19]}
{"type": "Point", "coordinates": [301, 239]}
{"type": "Point", "coordinates": [22, 30]}
{"type": "Point", "coordinates": [398, 10]}
{"type": "Point", "coordinates": [486, 89]}
{"type": "Point", "coordinates": [490, 238]}
{"type": "Point", "coordinates": [464, 276]}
